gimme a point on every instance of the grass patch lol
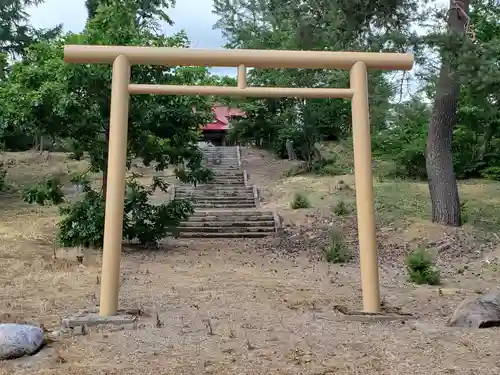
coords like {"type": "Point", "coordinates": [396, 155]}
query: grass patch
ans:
{"type": "Point", "coordinates": [421, 268]}
{"type": "Point", "coordinates": [400, 199]}
{"type": "Point", "coordinates": [341, 208]}
{"type": "Point", "coordinates": [337, 252]}
{"type": "Point", "coordinates": [300, 200]}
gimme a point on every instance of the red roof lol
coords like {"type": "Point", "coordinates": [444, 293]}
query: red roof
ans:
{"type": "Point", "coordinates": [222, 117]}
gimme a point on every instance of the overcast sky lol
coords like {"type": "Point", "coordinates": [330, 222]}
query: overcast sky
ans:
{"type": "Point", "coordinates": [194, 16]}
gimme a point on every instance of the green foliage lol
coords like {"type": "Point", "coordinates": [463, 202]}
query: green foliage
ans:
{"type": "Point", "coordinates": [421, 268]}
{"type": "Point", "coordinates": [148, 223]}
{"type": "Point", "coordinates": [300, 201]}
{"type": "Point", "coordinates": [44, 96]}
{"type": "Point", "coordinates": [48, 191]}
{"type": "Point", "coordinates": [3, 176]}
{"type": "Point", "coordinates": [297, 25]}
{"type": "Point", "coordinates": [83, 222]}
{"type": "Point", "coordinates": [329, 167]}
{"type": "Point", "coordinates": [337, 251]}
{"type": "Point", "coordinates": [16, 34]}
{"type": "Point", "coordinates": [491, 173]}
{"type": "Point", "coordinates": [341, 208]}
{"type": "Point", "coordinates": [403, 141]}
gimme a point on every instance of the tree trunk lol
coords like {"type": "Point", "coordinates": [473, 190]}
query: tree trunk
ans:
{"type": "Point", "coordinates": [439, 162]}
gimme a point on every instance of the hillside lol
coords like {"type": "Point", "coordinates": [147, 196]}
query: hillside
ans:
{"type": "Point", "coordinates": [257, 306]}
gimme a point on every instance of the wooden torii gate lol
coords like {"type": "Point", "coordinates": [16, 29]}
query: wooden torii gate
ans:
{"type": "Point", "coordinates": [122, 57]}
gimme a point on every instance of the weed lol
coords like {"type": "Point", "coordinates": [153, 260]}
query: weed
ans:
{"type": "Point", "coordinates": [464, 212]}
{"type": "Point", "coordinates": [300, 201]}
{"type": "Point", "coordinates": [341, 208]}
{"type": "Point", "coordinates": [421, 268]}
{"type": "Point", "coordinates": [337, 252]}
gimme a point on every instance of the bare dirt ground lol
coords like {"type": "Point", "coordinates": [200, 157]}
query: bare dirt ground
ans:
{"type": "Point", "coordinates": [257, 306]}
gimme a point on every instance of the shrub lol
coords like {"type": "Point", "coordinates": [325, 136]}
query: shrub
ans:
{"type": "Point", "coordinates": [3, 176]}
{"type": "Point", "coordinates": [83, 221]}
{"type": "Point", "coordinates": [330, 167]}
{"type": "Point", "coordinates": [83, 224]}
{"type": "Point", "coordinates": [341, 208]}
{"type": "Point", "coordinates": [464, 212]}
{"type": "Point", "coordinates": [300, 201]}
{"type": "Point", "coordinates": [421, 268]}
{"type": "Point", "coordinates": [48, 191]}
{"type": "Point", "coordinates": [337, 252]}
{"type": "Point", "coordinates": [491, 173]}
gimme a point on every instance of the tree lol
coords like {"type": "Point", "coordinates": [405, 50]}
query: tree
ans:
{"type": "Point", "coordinates": [439, 161]}
{"type": "Point", "coordinates": [72, 101]}
{"type": "Point", "coordinates": [147, 10]}
{"type": "Point", "coordinates": [15, 32]}
{"type": "Point", "coordinates": [312, 25]}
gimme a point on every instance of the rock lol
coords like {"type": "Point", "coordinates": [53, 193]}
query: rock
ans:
{"type": "Point", "coordinates": [482, 312]}
{"type": "Point", "coordinates": [17, 340]}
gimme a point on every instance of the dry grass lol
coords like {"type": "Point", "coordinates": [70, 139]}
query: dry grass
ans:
{"type": "Point", "coordinates": [227, 307]}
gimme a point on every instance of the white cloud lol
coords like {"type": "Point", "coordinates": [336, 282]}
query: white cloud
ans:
{"type": "Point", "coordinates": [194, 16]}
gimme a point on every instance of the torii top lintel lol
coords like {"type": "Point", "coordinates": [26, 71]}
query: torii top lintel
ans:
{"type": "Point", "coordinates": [99, 54]}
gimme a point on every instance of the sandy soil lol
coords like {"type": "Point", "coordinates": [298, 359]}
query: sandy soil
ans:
{"type": "Point", "coordinates": [242, 307]}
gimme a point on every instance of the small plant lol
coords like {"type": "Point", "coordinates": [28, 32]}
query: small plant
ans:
{"type": "Point", "coordinates": [491, 173]}
{"type": "Point", "coordinates": [294, 171]}
{"type": "Point", "coordinates": [421, 268]}
{"type": "Point", "coordinates": [48, 191]}
{"type": "Point", "coordinates": [82, 222]}
{"type": "Point", "coordinates": [195, 175]}
{"type": "Point", "coordinates": [337, 252]}
{"type": "Point", "coordinates": [341, 208]}
{"type": "Point", "coordinates": [300, 201]}
{"type": "Point", "coordinates": [3, 176]}
{"type": "Point", "coordinates": [464, 212]}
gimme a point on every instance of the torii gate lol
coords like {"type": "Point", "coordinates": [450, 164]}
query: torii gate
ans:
{"type": "Point", "coordinates": [122, 57]}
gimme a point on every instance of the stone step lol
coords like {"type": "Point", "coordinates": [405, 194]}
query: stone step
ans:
{"type": "Point", "coordinates": [219, 148]}
{"type": "Point", "coordinates": [216, 156]}
{"type": "Point", "coordinates": [227, 229]}
{"type": "Point", "coordinates": [214, 189]}
{"type": "Point", "coordinates": [231, 219]}
{"type": "Point", "coordinates": [225, 169]}
{"type": "Point", "coordinates": [230, 182]}
{"type": "Point", "coordinates": [222, 200]}
{"type": "Point", "coordinates": [228, 175]}
{"type": "Point", "coordinates": [224, 205]}
{"type": "Point", "coordinates": [199, 197]}
{"type": "Point", "coordinates": [220, 204]}
{"type": "Point", "coordinates": [232, 152]}
{"type": "Point", "coordinates": [216, 159]}
{"type": "Point", "coordinates": [232, 191]}
{"type": "Point", "coordinates": [224, 235]}
{"type": "Point", "coordinates": [225, 213]}
{"type": "Point", "coordinates": [217, 197]}
{"type": "Point", "coordinates": [239, 223]}
{"type": "Point", "coordinates": [225, 181]}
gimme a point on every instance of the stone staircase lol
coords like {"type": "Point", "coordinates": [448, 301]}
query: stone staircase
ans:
{"type": "Point", "coordinates": [226, 207]}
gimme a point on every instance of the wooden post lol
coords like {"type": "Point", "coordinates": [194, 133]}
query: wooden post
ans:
{"type": "Point", "coordinates": [115, 194]}
{"type": "Point", "coordinates": [364, 189]}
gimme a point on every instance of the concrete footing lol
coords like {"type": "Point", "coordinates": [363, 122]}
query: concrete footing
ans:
{"type": "Point", "coordinates": [92, 318]}
{"type": "Point", "coordinates": [384, 316]}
